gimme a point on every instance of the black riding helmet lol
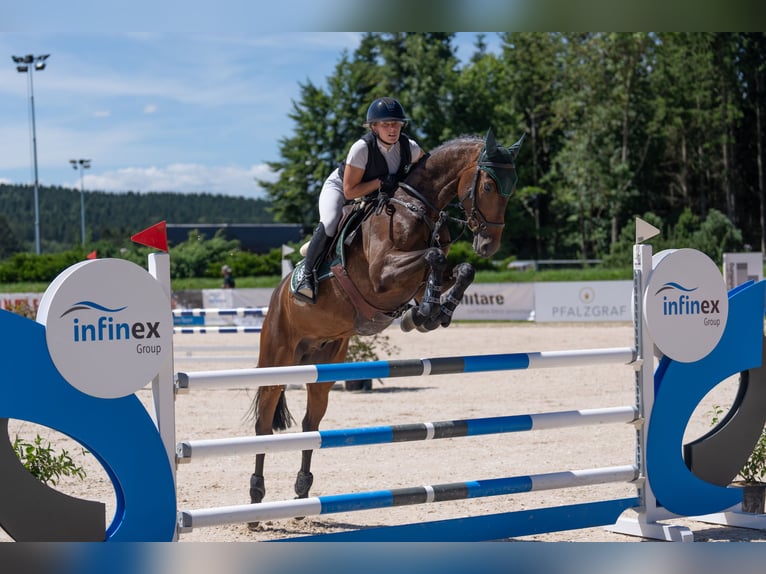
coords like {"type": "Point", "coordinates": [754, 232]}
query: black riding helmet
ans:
{"type": "Point", "coordinates": [385, 109]}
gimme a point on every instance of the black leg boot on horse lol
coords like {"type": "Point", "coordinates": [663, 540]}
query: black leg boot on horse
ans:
{"type": "Point", "coordinates": [306, 289]}
{"type": "Point", "coordinates": [430, 305]}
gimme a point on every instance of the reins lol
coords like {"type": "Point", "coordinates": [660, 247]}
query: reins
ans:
{"type": "Point", "coordinates": [475, 220]}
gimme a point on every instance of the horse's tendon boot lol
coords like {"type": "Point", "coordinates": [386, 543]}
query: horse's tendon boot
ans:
{"type": "Point", "coordinates": [257, 492]}
{"type": "Point", "coordinates": [303, 483]}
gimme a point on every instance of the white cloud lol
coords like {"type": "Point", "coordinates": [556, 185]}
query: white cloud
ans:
{"type": "Point", "coordinates": [150, 108]}
{"type": "Point", "coordinates": [102, 113]}
{"type": "Point", "coordinates": [184, 178]}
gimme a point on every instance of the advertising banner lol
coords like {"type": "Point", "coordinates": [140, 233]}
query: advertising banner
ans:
{"type": "Point", "coordinates": [497, 302]}
{"type": "Point", "coordinates": [586, 301]}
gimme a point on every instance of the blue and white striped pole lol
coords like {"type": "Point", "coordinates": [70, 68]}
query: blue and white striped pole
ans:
{"type": "Point", "coordinates": [199, 518]}
{"type": "Point", "coordinates": [263, 444]}
{"type": "Point", "coordinates": [303, 374]}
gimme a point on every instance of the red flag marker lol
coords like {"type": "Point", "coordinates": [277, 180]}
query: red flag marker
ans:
{"type": "Point", "coordinates": [92, 255]}
{"type": "Point", "coordinates": [155, 236]}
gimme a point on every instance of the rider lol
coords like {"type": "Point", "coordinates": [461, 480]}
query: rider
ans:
{"type": "Point", "coordinates": [375, 162]}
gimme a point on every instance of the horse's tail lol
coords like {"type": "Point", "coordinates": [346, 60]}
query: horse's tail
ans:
{"type": "Point", "coordinates": [282, 419]}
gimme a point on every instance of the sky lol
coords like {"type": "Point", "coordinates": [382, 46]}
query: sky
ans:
{"type": "Point", "coordinates": [160, 111]}
{"type": "Point", "coordinates": [198, 98]}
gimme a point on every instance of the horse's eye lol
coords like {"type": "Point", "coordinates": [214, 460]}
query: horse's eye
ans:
{"type": "Point", "coordinates": [487, 187]}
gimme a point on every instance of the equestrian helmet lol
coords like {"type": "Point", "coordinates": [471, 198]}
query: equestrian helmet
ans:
{"type": "Point", "coordinates": [385, 109]}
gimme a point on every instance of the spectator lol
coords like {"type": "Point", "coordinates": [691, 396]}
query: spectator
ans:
{"type": "Point", "coordinates": [228, 278]}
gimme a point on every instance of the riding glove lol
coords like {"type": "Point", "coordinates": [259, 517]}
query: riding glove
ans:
{"type": "Point", "coordinates": [389, 183]}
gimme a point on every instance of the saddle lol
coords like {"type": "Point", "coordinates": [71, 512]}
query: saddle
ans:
{"type": "Point", "coordinates": [350, 224]}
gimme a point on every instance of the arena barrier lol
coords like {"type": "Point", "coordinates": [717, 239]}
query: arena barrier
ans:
{"type": "Point", "coordinates": [233, 312]}
{"type": "Point", "coordinates": [731, 342]}
{"type": "Point", "coordinates": [201, 353]}
{"type": "Point", "coordinates": [216, 329]}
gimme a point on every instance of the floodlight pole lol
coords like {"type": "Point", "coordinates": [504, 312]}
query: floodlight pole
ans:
{"type": "Point", "coordinates": [27, 65]}
{"type": "Point", "coordinates": [81, 164]}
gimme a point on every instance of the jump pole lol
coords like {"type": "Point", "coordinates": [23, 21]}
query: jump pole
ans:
{"type": "Point", "coordinates": [205, 517]}
{"type": "Point", "coordinates": [322, 373]}
{"type": "Point", "coordinates": [323, 439]}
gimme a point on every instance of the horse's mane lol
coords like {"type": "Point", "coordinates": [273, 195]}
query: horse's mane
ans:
{"type": "Point", "coordinates": [458, 141]}
{"type": "Point", "coordinates": [453, 145]}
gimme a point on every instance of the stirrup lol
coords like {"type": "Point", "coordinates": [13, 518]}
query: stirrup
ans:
{"type": "Point", "coordinates": [306, 291]}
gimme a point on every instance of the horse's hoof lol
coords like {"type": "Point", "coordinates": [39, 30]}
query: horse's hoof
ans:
{"type": "Point", "coordinates": [412, 319]}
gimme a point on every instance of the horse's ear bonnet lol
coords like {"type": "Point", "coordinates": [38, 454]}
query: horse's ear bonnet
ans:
{"type": "Point", "coordinates": [498, 163]}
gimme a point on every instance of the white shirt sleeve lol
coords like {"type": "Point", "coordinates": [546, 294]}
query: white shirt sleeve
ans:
{"type": "Point", "coordinates": [357, 154]}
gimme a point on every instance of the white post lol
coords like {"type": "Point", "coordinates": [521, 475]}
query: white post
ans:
{"type": "Point", "coordinates": [645, 523]}
{"type": "Point", "coordinates": [163, 386]}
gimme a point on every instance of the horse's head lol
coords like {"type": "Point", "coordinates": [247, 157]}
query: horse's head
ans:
{"type": "Point", "coordinates": [485, 197]}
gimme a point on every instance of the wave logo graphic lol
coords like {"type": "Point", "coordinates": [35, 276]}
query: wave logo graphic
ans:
{"type": "Point", "coordinates": [80, 305]}
{"type": "Point", "coordinates": [680, 303]}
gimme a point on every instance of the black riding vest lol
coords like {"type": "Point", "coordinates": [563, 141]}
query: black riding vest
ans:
{"type": "Point", "coordinates": [376, 164]}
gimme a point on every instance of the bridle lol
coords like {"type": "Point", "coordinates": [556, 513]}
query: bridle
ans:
{"type": "Point", "coordinates": [475, 219]}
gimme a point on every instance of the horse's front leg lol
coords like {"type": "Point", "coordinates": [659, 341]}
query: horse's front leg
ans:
{"type": "Point", "coordinates": [430, 304]}
{"type": "Point", "coordinates": [463, 275]}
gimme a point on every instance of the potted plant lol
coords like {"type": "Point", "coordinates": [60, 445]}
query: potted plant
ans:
{"type": "Point", "coordinates": [363, 349]}
{"type": "Point", "coordinates": [752, 473]}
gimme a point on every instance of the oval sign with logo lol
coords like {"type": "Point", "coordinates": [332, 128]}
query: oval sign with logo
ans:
{"type": "Point", "coordinates": [685, 304]}
{"type": "Point", "coordinates": [108, 326]}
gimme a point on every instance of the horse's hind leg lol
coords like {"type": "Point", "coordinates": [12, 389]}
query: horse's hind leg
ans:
{"type": "Point", "coordinates": [430, 304]}
{"type": "Point", "coordinates": [316, 407]}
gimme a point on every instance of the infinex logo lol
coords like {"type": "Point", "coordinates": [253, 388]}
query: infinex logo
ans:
{"type": "Point", "coordinates": [681, 302]}
{"type": "Point", "coordinates": [106, 329]}
{"type": "Point", "coordinates": [108, 326]}
{"type": "Point", "coordinates": [685, 304]}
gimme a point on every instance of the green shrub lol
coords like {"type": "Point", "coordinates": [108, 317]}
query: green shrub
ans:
{"type": "Point", "coordinates": [43, 462]}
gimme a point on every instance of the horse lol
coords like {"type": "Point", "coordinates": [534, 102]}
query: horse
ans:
{"type": "Point", "coordinates": [396, 255]}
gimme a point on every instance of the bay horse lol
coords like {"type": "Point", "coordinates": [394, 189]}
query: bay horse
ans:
{"type": "Point", "coordinates": [396, 255]}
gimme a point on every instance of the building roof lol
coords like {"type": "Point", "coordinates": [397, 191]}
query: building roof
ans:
{"type": "Point", "coordinates": [253, 237]}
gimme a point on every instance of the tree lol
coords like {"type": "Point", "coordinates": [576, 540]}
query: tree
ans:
{"type": "Point", "coordinates": [419, 69]}
{"type": "Point", "coordinates": [9, 243]}
{"type": "Point", "coordinates": [327, 122]}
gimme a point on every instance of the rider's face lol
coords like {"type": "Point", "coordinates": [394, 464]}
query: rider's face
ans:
{"type": "Point", "coordinates": [388, 131]}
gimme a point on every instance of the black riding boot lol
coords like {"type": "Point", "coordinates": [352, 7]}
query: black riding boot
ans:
{"type": "Point", "coordinates": [306, 287]}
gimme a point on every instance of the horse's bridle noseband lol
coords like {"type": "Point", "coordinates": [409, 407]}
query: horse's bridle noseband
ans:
{"type": "Point", "coordinates": [475, 220]}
